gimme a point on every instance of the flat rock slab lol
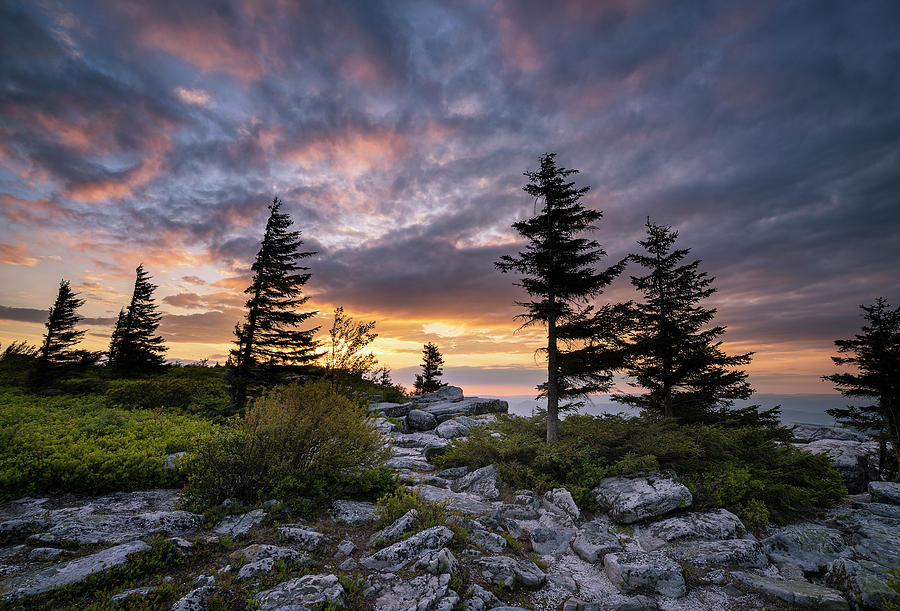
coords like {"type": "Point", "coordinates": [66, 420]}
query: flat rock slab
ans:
{"type": "Point", "coordinates": [74, 571]}
{"type": "Point", "coordinates": [551, 541]}
{"type": "Point", "coordinates": [800, 594]}
{"type": "Point", "coordinates": [634, 572]}
{"type": "Point", "coordinates": [715, 525]}
{"type": "Point", "coordinates": [396, 556]}
{"type": "Point", "coordinates": [469, 406]}
{"type": "Point", "coordinates": [307, 539]}
{"type": "Point", "coordinates": [743, 553]}
{"type": "Point", "coordinates": [810, 546]}
{"type": "Point", "coordinates": [854, 460]}
{"type": "Point", "coordinates": [448, 394]}
{"type": "Point", "coordinates": [395, 529]}
{"type": "Point", "coordinates": [807, 433]}
{"type": "Point", "coordinates": [483, 483]}
{"type": "Point", "coordinates": [506, 570]}
{"type": "Point", "coordinates": [93, 528]}
{"type": "Point", "coordinates": [237, 526]}
{"type": "Point", "coordinates": [424, 592]}
{"type": "Point", "coordinates": [885, 492]}
{"type": "Point", "coordinates": [353, 512]}
{"type": "Point", "coordinates": [459, 501]}
{"type": "Point", "coordinates": [632, 499]}
{"type": "Point", "coordinates": [302, 591]}
{"type": "Point", "coordinates": [862, 586]}
{"type": "Point", "coordinates": [593, 541]}
{"type": "Point", "coordinates": [418, 465]}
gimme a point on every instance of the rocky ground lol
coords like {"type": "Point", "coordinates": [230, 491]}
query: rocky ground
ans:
{"type": "Point", "coordinates": [498, 549]}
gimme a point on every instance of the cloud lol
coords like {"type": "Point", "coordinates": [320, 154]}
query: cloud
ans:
{"type": "Point", "coordinates": [193, 96]}
{"type": "Point", "coordinates": [16, 255]}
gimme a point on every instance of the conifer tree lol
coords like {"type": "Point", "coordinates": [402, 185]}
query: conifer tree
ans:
{"type": "Point", "coordinates": [134, 346]}
{"type": "Point", "coordinates": [61, 334]}
{"type": "Point", "coordinates": [270, 336]}
{"type": "Point", "coordinates": [348, 338]}
{"type": "Point", "coordinates": [558, 273]}
{"type": "Point", "coordinates": [876, 355]}
{"type": "Point", "coordinates": [674, 355]}
{"type": "Point", "coordinates": [432, 370]}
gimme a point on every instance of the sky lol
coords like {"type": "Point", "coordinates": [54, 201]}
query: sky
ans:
{"type": "Point", "coordinates": [397, 133]}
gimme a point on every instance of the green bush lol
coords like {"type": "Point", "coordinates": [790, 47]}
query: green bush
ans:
{"type": "Point", "coordinates": [64, 443]}
{"type": "Point", "coordinates": [751, 471]}
{"type": "Point", "coordinates": [299, 443]}
{"type": "Point", "coordinates": [195, 394]}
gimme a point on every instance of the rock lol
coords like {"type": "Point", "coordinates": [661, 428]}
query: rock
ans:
{"type": "Point", "coordinates": [464, 502]}
{"type": "Point", "coordinates": [694, 526]}
{"type": "Point", "coordinates": [423, 593]}
{"type": "Point", "coordinates": [306, 539]}
{"type": "Point", "coordinates": [352, 512]}
{"type": "Point", "coordinates": [799, 594]}
{"type": "Point", "coordinates": [453, 472]}
{"type": "Point", "coordinates": [348, 565]}
{"type": "Point", "coordinates": [44, 553]}
{"type": "Point", "coordinates": [397, 528]}
{"type": "Point", "coordinates": [195, 600]}
{"type": "Point", "coordinates": [852, 459]}
{"type": "Point", "coordinates": [631, 499]}
{"type": "Point", "coordinates": [505, 570]}
{"type": "Point", "coordinates": [93, 528]}
{"type": "Point", "coordinates": [415, 440]}
{"type": "Point", "coordinates": [434, 448]}
{"type": "Point", "coordinates": [73, 571]}
{"type": "Point", "coordinates": [307, 590]}
{"type": "Point", "coordinates": [560, 503]}
{"type": "Point", "coordinates": [438, 482]}
{"type": "Point", "coordinates": [744, 553]}
{"type": "Point", "coordinates": [636, 571]}
{"type": "Point", "coordinates": [480, 599]}
{"type": "Point", "coordinates": [418, 420]}
{"type": "Point", "coordinates": [410, 463]}
{"type": "Point", "coordinates": [450, 394]}
{"type": "Point", "coordinates": [638, 603]}
{"type": "Point", "coordinates": [877, 541]}
{"type": "Point", "coordinates": [863, 588]}
{"type": "Point", "coordinates": [450, 429]}
{"type": "Point", "coordinates": [593, 541]}
{"type": "Point", "coordinates": [170, 461]}
{"type": "Point", "coordinates": [806, 433]}
{"type": "Point", "coordinates": [133, 594]}
{"type": "Point", "coordinates": [239, 525]}
{"type": "Point", "coordinates": [885, 492]}
{"type": "Point", "coordinates": [810, 546]}
{"type": "Point", "coordinates": [344, 549]}
{"type": "Point", "coordinates": [259, 551]}
{"type": "Point", "coordinates": [545, 541]}
{"type": "Point", "coordinates": [483, 483]}
{"type": "Point", "coordinates": [21, 528]}
{"type": "Point", "coordinates": [488, 541]}
{"type": "Point", "coordinates": [398, 555]}
{"type": "Point", "coordinates": [470, 406]}
{"type": "Point", "coordinates": [256, 568]}
{"type": "Point", "coordinates": [391, 410]}
{"type": "Point", "coordinates": [438, 562]}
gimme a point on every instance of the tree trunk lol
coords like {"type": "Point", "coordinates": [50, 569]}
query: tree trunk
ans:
{"type": "Point", "coordinates": [552, 379]}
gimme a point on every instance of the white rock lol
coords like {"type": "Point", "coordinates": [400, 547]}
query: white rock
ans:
{"type": "Point", "coordinates": [632, 572]}
{"type": "Point", "coordinates": [237, 526]}
{"type": "Point", "coordinates": [799, 594]}
{"type": "Point", "coordinates": [195, 600]}
{"type": "Point", "coordinates": [398, 555]}
{"type": "Point", "coordinates": [631, 499]}
{"type": "Point", "coordinates": [559, 502]}
{"type": "Point", "coordinates": [438, 562]}
{"type": "Point", "coordinates": [885, 492]}
{"type": "Point", "coordinates": [307, 590]}
{"type": "Point", "coordinates": [352, 512]}
{"type": "Point", "coordinates": [504, 570]}
{"type": "Point", "coordinates": [394, 530]}
{"type": "Point", "coordinates": [547, 541]}
{"type": "Point", "coordinates": [593, 541]}
{"type": "Point", "coordinates": [483, 483]}
{"type": "Point", "coordinates": [306, 538]}
{"type": "Point", "coordinates": [450, 429]}
{"type": "Point", "coordinates": [694, 526]}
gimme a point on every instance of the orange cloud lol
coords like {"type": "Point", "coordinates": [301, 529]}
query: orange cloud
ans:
{"type": "Point", "coordinates": [25, 211]}
{"type": "Point", "coordinates": [16, 255]}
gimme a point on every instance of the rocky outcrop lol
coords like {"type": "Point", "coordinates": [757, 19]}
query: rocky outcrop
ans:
{"type": "Point", "coordinates": [885, 492]}
{"type": "Point", "coordinates": [398, 555]}
{"type": "Point", "coordinates": [806, 433]}
{"type": "Point", "coordinates": [423, 593]}
{"type": "Point", "coordinates": [302, 592]}
{"type": "Point", "coordinates": [798, 594]}
{"type": "Point", "coordinates": [694, 526]}
{"type": "Point", "coordinates": [506, 570]}
{"type": "Point", "coordinates": [634, 572]}
{"type": "Point", "coordinates": [863, 585]}
{"type": "Point", "coordinates": [633, 499]}
{"type": "Point", "coordinates": [810, 546]}
{"type": "Point", "coordinates": [854, 460]}
{"type": "Point", "coordinates": [593, 541]}
{"type": "Point", "coordinates": [238, 526]}
{"type": "Point", "coordinates": [447, 403]}
{"type": "Point", "coordinates": [353, 512]}
{"type": "Point", "coordinates": [483, 483]}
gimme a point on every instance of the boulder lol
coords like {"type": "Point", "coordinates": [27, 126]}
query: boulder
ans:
{"type": "Point", "coordinates": [593, 541]}
{"type": "Point", "coordinates": [864, 588]}
{"type": "Point", "coordinates": [632, 499]}
{"type": "Point", "coordinates": [743, 553]}
{"type": "Point", "coordinates": [302, 591]}
{"type": "Point", "coordinates": [462, 501]}
{"type": "Point", "coordinates": [133, 594]}
{"type": "Point", "coordinates": [17, 529]}
{"type": "Point", "coordinates": [546, 541]}
{"type": "Point", "coordinates": [395, 529]}
{"type": "Point", "coordinates": [797, 593]}
{"type": "Point", "coordinates": [634, 572]}
{"type": "Point", "coordinates": [93, 528]}
{"type": "Point", "coordinates": [810, 546]}
{"type": "Point", "coordinates": [806, 433]}
{"type": "Point", "coordinates": [256, 568]}
{"type": "Point", "coordinates": [694, 526]}
{"type": "Point", "coordinates": [73, 571]}
{"type": "Point", "coordinates": [450, 394]}
{"type": "Point", "coordinates": [470, 406]}
{"type": "Point", "coordinates": [237, 526]}
{"type": "Point", "coordinates": [453, 472]}
{"type": "Point", "coordinates": [44, 553]}
{"type": "Point", "coordinates": [479, 599]}
{"type": "Point", "coordinates": [450, 429]}
{"type": "Point", "coordinates": [415, 440]}
{"type": "Point", "coordinates": [398, 555]}
{"type": "Point", "coordinates": [560, 503]}
{"type": "Point", "coordinates": [885, 492]}
{"type": "Point", "coordinates": [419, 465]}
{"type": "Point", "coordinates": [344, 549]}
{"type": "Point", "coordinates": [258, 551]}
{"type": "Point", "coordinates": [852, 459]}
{"type": "Point", "coordinates": [390, 410]}
{"type": "Point", "coordinates": [483, 483]}
{"type": "Point", "coordinates": [438, 562]}
{"type": "Point", "coordinates": [419, 420]}
{"type": "Point", "coordinates": [506, 570]}
{"type": "Point", "coordinates": [195, 600]}
{"type": "Point", "coordinates": [352, 512]}
{"type": "Point", "coordinates": [305, 538]}
{"type": "Point", "coordinates": [423, 593]}
{"type": "Point", "coordinates": [434, 448]}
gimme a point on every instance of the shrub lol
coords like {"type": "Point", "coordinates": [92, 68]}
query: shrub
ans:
{"type": "Point", "coordinates": [751, 471]}
{"type": "Point", "coordinates": [204, 395]}
{"type": "Point", "coordinates": [298, 443]}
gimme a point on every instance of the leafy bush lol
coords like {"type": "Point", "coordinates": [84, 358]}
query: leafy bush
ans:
{"type": "Point", "coordinates": [75, 444]}
{"type": "Point", "coordinates": [299, 443]}
{"type": "Point", "coordinates": [196, 394]}
{"type": "Point", "coordinates": [751, 471]}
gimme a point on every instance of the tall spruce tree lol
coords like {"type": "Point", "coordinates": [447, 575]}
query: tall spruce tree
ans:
{"type": "Point", "coordinates": [875, 353]}
{"type": "Point", "coordinates": [270, 335]}
{"type": "Point", "coordinates": [432, 370]}
{"type": "Point", "coordinates": [558, 273]}
{"type": "Point", "coordinates": [674, 354]}
{"type": "Point", "coordinates": [134, 346]}
{"type": "Point", "coordinates": [61, 334]}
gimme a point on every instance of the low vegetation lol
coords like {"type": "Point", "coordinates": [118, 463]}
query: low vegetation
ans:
{"type": "Point", "coordinates": [751, 471]}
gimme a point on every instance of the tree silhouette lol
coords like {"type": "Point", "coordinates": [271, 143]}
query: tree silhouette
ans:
{"type": "Point", "coordinates": [348, 338]}
{"type": "Point", "coordinates": [61, 334]}
{"type": "Point", "coordinates": [558, 272]}
{"type": "Point", "coordinates": [876, 355]}
{"type": "Point", "coordinates": [432, 362]}
{"type": "Point", "coordinates": [674, 355]}
{"type": "Point", "coordinates": [270, 336]}
{"type": "Point", "coordinates": [134, 346]}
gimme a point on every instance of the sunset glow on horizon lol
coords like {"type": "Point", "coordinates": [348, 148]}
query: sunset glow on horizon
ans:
{"type": "Point", "coordinates": [397, 134]}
